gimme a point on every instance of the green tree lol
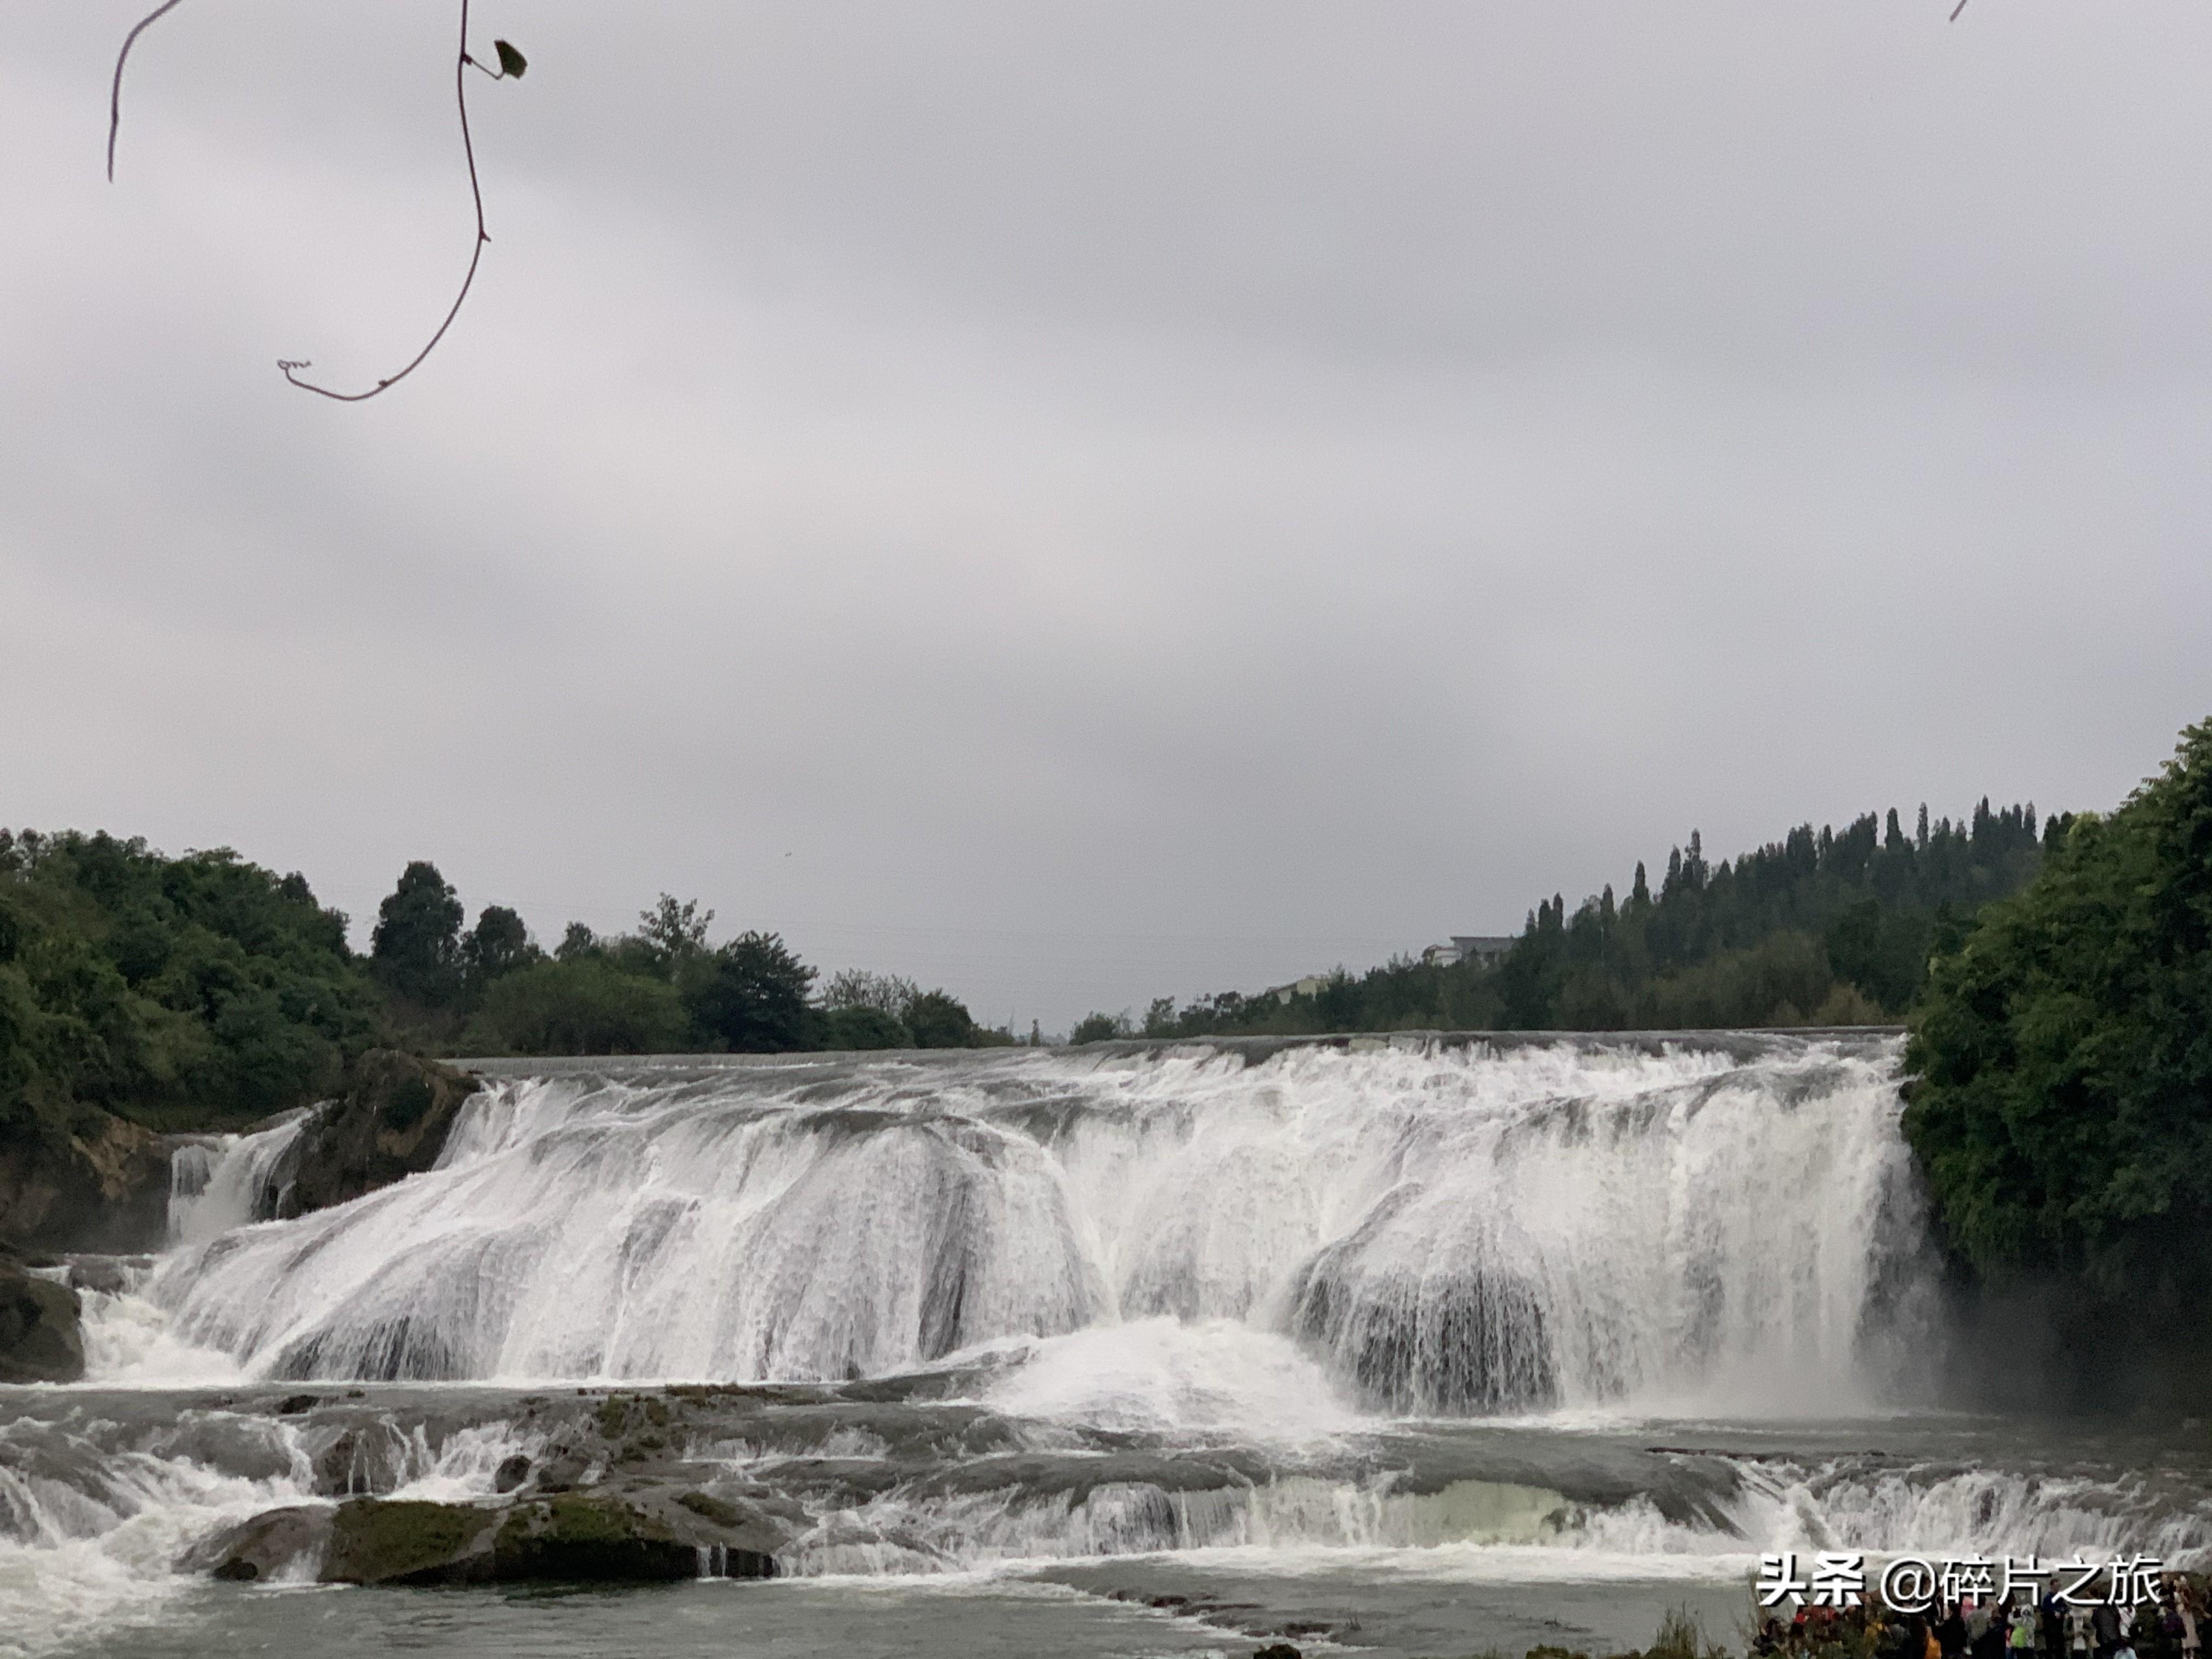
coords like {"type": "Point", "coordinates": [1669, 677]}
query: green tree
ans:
{"type": "Point", "coordinates": [200, 992]}
{"type": "Point", "coordinates": [498, 944]}
{"type": "Point", "coordinates": [856, 987]}
{"type": "Point", "coordinates": [674, 934]}
{"type": "Point", "coordinates": [751, 996]}
{"type": "Point", "coordinates": [2063, 1101]}
{"type": "Point", "coordinates": [1098, 1028]}
{"type": "Point", "coordinates": [1832, 926]}
{"type": "Point", "coordinates": [585, 1006]}
{"type": "Point", "coordinates": [415, 947]}
{"type": "Point", "coordinates": [939, 1020]}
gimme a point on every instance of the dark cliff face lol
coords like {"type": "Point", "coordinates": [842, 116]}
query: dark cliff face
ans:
{"type": "Point", "coordinates": [390, 1122]}
{"type": "Point", "coordinates": [100, 1183]}
{"type": "Point", "coordinates": [100, 1186]}
{"type": "Point", "coordinates": [40, 1340]}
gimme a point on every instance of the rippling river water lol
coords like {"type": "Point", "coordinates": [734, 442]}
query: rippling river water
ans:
{"type": "Point", "coordinates": [1418, 1349]}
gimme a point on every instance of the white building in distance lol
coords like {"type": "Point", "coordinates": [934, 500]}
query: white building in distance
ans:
{"type": "Point", "coordinates": [1482, 948]}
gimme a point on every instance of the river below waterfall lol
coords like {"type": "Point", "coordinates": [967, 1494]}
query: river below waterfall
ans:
{"type": "Point", "coordinates": [1410, 1348]}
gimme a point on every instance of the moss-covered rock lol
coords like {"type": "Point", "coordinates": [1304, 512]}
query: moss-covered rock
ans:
{"type": "Point", "coordinates": [40, 1340]}
{"type": "Point", "coordinates": [262, 1547]}
{"type": "Point", "coordinates": [375, 1540]}
{"type": "Point", "coordinates": [391, 1121]}
{"type": "Point", "coordinates": [564, 1537]}
{"type": "Point", "coordinates": [592, 1535]}
{"type": "Point", "coordinates": [708, 1507]}
{"type": "Point", "coordinates": [89, 1182]}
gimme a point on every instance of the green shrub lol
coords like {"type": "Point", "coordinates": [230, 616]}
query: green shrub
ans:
{"type": "Point", "coordinates": [2064, 1106]}
{"type": "Point", "coordinates": [199, 992]}
{"type": "Point", "coordinates": [578, 1007]}
{"type": "Point", "coordinates": [939, 1020]}
{"type": "Point", "coordinates": [864, 1028]}
{"type": "Point", "coordinates": [1098, 1028]}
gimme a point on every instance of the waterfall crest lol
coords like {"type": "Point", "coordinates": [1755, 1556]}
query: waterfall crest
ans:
{"type": "Point", "coordinates": [1445, 1229]}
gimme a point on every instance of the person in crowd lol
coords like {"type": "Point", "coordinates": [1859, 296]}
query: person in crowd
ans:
{"type": "Point", "coordinates": [1985, 1631]}
{"type": "Point", "coordinates": [2050, 1618]}
{"type": "Point", "coordinates": [1951, 1632]}
{"type": "Point", "coordinates": [2105, 1624]}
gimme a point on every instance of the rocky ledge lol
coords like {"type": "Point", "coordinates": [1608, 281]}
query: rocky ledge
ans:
{"type": "Point", "coordinates": [40, 1340]}
{"type": "Point", "coordinates": [97, 1182]}
{"type": "Point", "coordinates": [101, 1182]}
{"type": "Point", "coordinates": [563, 1537]}
{"type": "Point", "coordinates": [606, 1494]}
{"type": "Point", "coordinates": [390, 1122]}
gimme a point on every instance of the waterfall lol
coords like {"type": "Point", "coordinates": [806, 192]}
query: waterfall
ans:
{"type": "Point", "coordinates": [1443, 1230]}
{"type": "Point", "coordinates": [220, 1181]}
{"type": "Point", "coordinates": [1401, 1298]}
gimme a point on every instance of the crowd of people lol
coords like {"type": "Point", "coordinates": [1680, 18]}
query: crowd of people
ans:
{"type": "Point", "coordinates": [2171, 1626]}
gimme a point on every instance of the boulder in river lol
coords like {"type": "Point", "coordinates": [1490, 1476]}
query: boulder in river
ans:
{"type": "Point", "coordinates": [567, 1537]}
{"type": "Point", "coordinates": [110, 1275]}
{"type": "Point", "coordinates": [96, 1183]}
{"type": "Point", "coordinates": [40, 1340]}
{"type": "Point", "coordinates": [390, 1122]}
{"type": "Point", "coordinates": [375, 1540]}
{"type": "Point", "coordinates": [262, 1547]}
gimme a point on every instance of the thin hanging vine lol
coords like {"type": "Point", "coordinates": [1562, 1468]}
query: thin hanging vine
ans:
{"type": "Point", "coordinates": [511, 63]}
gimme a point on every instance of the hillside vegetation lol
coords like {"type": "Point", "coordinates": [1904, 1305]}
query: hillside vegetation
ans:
{"type": "Point", "coordinates": [204, 992]}
{"type": "Point", "coordinates": [663, 989]}
{"type": "Point", "coordinates": [2063, 1108]}
{"type": "Point", "coordinates": [200, 991]}
{"type": "Point", "coordinates": [1820, 927]}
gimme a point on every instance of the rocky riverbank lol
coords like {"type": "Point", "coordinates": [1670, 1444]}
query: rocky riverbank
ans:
{"type": "Point", "coordinates": [39, 1338]}
{"type": "Point", "coordinates": [651, 1536]}
{"type": "Point", "coordinates": [458, 1485]}
{"type": "Point", "coordinates": [390, 1122]}
{"type": "Point", "coordinates": [73, 1197]}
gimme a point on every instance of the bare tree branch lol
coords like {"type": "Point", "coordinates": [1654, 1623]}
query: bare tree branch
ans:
{"type": "Point", "coordinates": [511, 66]}
{"type": "Point", "coordinates": [462, 64]}
{"type": "Point", "coordinates": [115, 92]}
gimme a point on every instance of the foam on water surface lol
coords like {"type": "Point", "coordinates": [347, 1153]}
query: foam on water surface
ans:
{"type": "Point", "coordinates": [1413, 1311]}
{"type": "Point", "coordinates": [1446, 1230]}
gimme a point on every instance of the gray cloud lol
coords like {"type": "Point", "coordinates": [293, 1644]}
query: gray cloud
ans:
{"type": "Point", "coordinates": [1129, 498]}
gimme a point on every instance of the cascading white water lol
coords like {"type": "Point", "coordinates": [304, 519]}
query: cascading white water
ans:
{"type": "Point", "coordinates": [223, 1181]}
{"type": "Point", "coordinates": [1411, 1300]}
{"type": "Point", "coordinates": [95, 1514]}
{"type": "Point", "coordinates": [1446, 1230]}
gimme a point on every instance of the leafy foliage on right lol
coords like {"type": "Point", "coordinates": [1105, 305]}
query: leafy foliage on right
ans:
{"type": "Point", "coordinates": [2062, 1106]}
{"type": "Point", "coordinates": [2064, 1050]}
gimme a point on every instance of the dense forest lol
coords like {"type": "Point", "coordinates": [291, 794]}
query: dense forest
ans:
{"type": "Point", "coordinates": [201, 991]}
{"type": "Point", "coordinates": [1821, 927]}
{"type": "Point", "coordinates": [492, 990]}
{"type": "Point", "coordinates": [205, 992]}
{"type": "Point", "coordinates": [2061, 1103]}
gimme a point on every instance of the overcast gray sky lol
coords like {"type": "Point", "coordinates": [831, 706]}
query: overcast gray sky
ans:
{"type": "Point", "coordinates": [1079, 502]}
